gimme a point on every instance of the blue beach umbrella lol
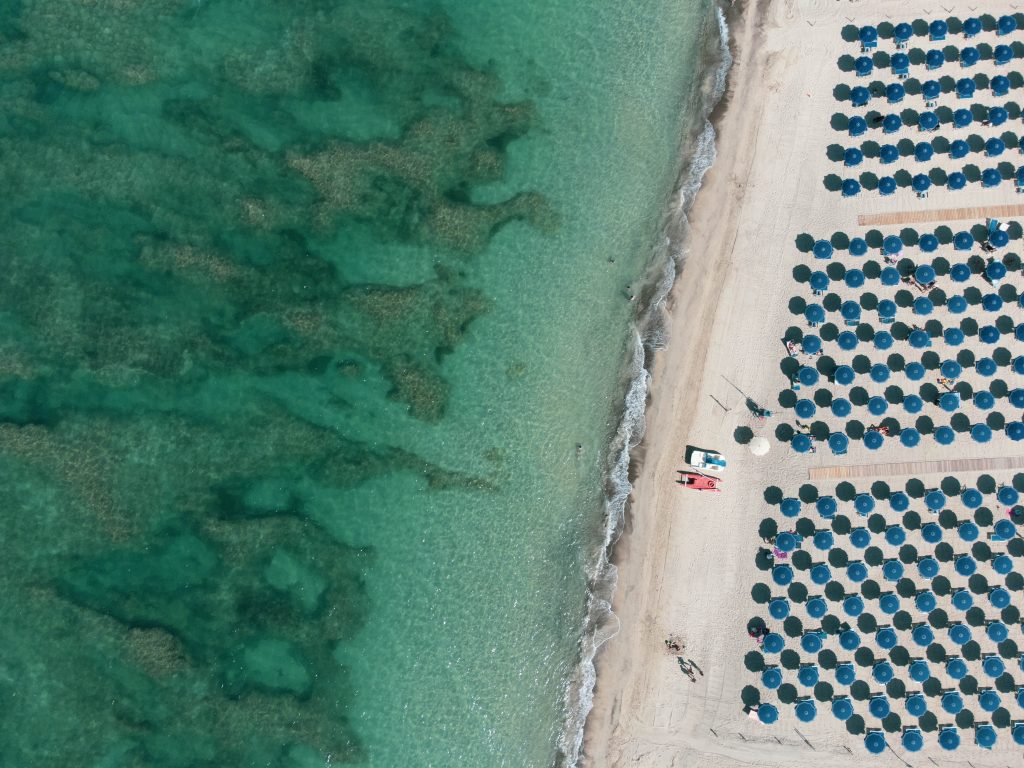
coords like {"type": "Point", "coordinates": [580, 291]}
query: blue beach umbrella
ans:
{"type": "Point", "coordinates": [814, 313]}
{"type": "Point", "coordinates": [963, 241]}
{"type": "Point", "coordinates": [891, 123]}
{"type": "Point", "coordinates": [853, 156]}
{"type": "Point", "coordinates": [853, 606]}
{"type": "Point", "coordinates": [892, 570]}
{"type": "Point", "coordinates": [999, 85]}
{"type": "Point", "coordinates": [925, 601]}
{"type": "Point", "coordinates": [927, 121]}
{"type": "Point", "coordinates": [767, 713]}
{"type": "Point", "coordinates": [925, 274]}
{"type": "Point", "coordinates": [782, 575]}
{"type": "Point", "coordinates": [860, 537]}
{"type": "Point", "coordinates": [900, 63]}
{"type": "Point", "coordinates": [902, 32]}
{"type": "Point", "coordinates": [991, 302]}
{"type": "Point", "coordinates": [888, 154]}
{"type": "Point", "coordinates": [993, 666]}
{"type": "Point", "coordinates": [1018, 733]}
{"type": "Point", "coordinates": [824, 541]}
{"type": "Point", "coordinates": [779, 608]}
{"type": "Point", "coordinates": [873, 440]}
{"type": "Point", "coordinates": [854, 278]}
{"type": "Point", "coordinates": [923, 152]}
{"type": "Point", "coordinates": [826, 506]}
{"type": "Point", "coordinates": [811, 642]}
{"type": "Point", "coordinates": [934, 59]}
{"type": "Point", "coordinates": [949, 738]}
{"type": "Point", "coordinates": [966, 565]}
{"type": "Point", "coordinates": [1002, 565]}
{"type": "Point", "coordinates": [928, 567]}
{"type": "Point", "coordinates": [1018, 365]}
{"type": "Point", "coordinates": [916, 705]}
{"type": "Point", "coordinates": [968, 531]}
{"type": "Point", "coordinates": [801, 443]}
{"type": "Point", "coordinates": [960, 273]}
{"type": "Point", "coordinates": [805, 408]}
{"type": "Point", "coordinates": [1002, 54]}
{"type": "Point", "coordinates": [879, 707]}
{"type": "Point", "coordinates": [954, 337]}
{"type": "Point", "coordinates": [806, 711]}
{"type": "Point", "coordinates": [864, 503]}
{"type": "Point", "coordinates": [773, 643]}
{"type": "Point", "coordinates": [971, 498]}
{"type": "Point", "coordinates": [808, 676]}
{"type": "Point", "coordinates": [851, 188]}
{"type": "Point", "coordinates": [912, 404]}
{"type": "Point", "coordinates": [1008, 495]}
{"type": "Point", "coordinates": [969, 56]}
{"type": "Point", "coordinates": [886, 638]}
{"type": "Point", "coordinates": [962, 600]}
{"type": "Point", "coordinates": [790, 508]}
{"type": "Point", "coordinates": [771, 678]}
{"type": "Point", "coordinates": [985, 735]}
{"type": "Point", "coordinates": [894, 93]}
{"type": "Point", "coordinates": [995, 147]}
{"type": "Point", "coordinates": [889, 276]}
{"type": "Point", "coordinates": [846, 674]}
{"type": "Point", "coordinates": [899, 501]}
{"type": "Point", "coordinates": [956, 180]}
{"type": "Point", "coordinates": [1017, 398]}
{"type": "Point", "coordinates": [913, 739]}
{"type": "Point", "coordinates": [882, 672]}
{"type": "Point", "coordinates": [850, 310]}
{"type": "Point", "coordinates": [910, 437]}
{"type": "Point", "coordinates": [884, 340]}
{"type": "Point", "coordinates": [945, 435]}
{"type": "Point", "coordinates": [874, 742]}
{"type": "Point", "coordinates": [957, 305]}
{"type": "Point", "coordinates": [923, 635]}
{"type": "Point", "coordinates": [919, 671]}
{"type": "Point", "coordinates": [1007, 24]}
{"type": "Point", "coordinates": [1004, 530]}
{"type": "Point", "coordinates": [932, 533]}
{"type": "Point", "coordinates": [841, 407]}
{"type": "Point", "coordinates": [920, 183]}
{"type": "Point", "coordinates": [838, 442]}
{"type": "Point", "coordinates": [859, 97]}
{"type": "Point", "coordinates": [986, 366]}
{"type": "Point", "coordinates": [937, 29]}
{"type": "Point", "coordinates": [981, 433]}
{"type": "Point", "coordinates": [886, 185]}
{"type": "Point", "coordinates": [989, 700]}
{"type": "Point", "coordinates": [847, 341]}
{"type": "Point", "coordinates": [999, 597]}
{"type": "Point", "coordinates": [822, 249]}
{"type": "Point", "coordinates": [892, 244]}
{"type": "Point", "coordinates": [949, 401]}
{"type": "Point", "coordinates": [857, 126]}
{"type": "Point", "coordinates": [956, 669]}
{"type": "Point", "coordinates": [786, 541]}
{"type": "Point", "coordinates": [868, 35]}
{"type": "Point", "coordinates": [997, 631]}
{"type": "Point", "coordinates": [821, 574]}
{"type": "Point", "coordinates": [844, 375]}
{"type": "Point", "coordinates": [989, 334]}
{"type": "Point", "coordinates": [877, 406]}
{"type": "Point", "coordinates": [879, 373]}
{"type": "Point", "coordinates": [808, 376]}
{"type": "Point", "coordinates": [953, 703]}
{"type": "Point", "coordinates": [842, 708]}
{"type": "Point", "coordinates": [889, 603]}
{"type": "Point", "coordinates": [965, 88]}
{"type": "Point", "coordinates": [951, 369]}
{"type": "Point", "coordinates": [863, 65]}
{"type": "Point", "coordinates": [984, 400]}
{"type": "Point", "coordinates": [919, 339]}
{"type": "Point", "coordinates": [998, 115]}
{"type": "Point", "coordinates": [962, 118]}
{"type": "Point", "coordinates": [819, 281]}
{"type": "Point", "coordinates": [991, 177]}
{"type": "Point", "coordinates": [935, 500]}
{"type": "Point", "coordinates": [849, 640]}
{"type": "Point", "coordinates": [999, 239]}
{"type": "Point", "coordinates": [858, 246]}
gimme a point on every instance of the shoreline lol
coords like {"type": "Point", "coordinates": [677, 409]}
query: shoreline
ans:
{"type": "Point", "coordinates": [688, 305]}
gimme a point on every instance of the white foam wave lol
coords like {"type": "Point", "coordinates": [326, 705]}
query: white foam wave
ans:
{"type": "Point", "coordinates": [600, 624]}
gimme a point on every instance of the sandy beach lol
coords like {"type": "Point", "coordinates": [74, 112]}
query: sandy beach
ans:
{"type": "Point", "coordinates": [687, 560]}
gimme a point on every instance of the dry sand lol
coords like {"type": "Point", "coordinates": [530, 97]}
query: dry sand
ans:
{"type": "Point", "coordinates": [686, 561]}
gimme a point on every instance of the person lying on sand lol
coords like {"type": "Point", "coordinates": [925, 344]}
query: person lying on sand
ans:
{"type": "Point", "coordinates": [687, 669]}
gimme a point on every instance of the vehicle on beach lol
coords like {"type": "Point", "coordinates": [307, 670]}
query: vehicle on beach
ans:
{"type": "Point", "coordinates": [707, 460]}
{"type": "Point", "coordinates": [698, 481]}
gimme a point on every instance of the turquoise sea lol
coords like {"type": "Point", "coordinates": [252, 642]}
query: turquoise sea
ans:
{"type": "Point", "coordinates": [315, 338]}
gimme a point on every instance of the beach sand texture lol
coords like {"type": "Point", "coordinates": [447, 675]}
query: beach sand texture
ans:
{"type": "Point", "coordinates": [687, 560]}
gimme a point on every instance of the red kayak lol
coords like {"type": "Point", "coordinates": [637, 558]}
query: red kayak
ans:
{"type": "Point", "coordinates": [699, 482]}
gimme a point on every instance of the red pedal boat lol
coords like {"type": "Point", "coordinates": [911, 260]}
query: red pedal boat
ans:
{"type": "Point", "coordinates": [698, 482]}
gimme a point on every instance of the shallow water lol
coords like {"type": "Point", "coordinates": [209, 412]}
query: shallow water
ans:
{"type": "Point", "coordinates": [316, 323]}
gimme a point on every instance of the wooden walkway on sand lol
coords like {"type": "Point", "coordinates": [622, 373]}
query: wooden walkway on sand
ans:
{"type": "Point", "coordinates": [979, 213]}
{"type": "Point", "coordinates": [914, 468]}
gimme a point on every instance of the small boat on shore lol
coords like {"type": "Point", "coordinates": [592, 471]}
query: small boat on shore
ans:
{"type": "Point", "coordinates": [698, 481]}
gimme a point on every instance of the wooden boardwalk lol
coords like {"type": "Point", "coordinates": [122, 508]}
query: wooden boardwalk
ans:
{"type": "Point", "coordinates": [979, 213]}
{"type": "Point", "coordinates": [914, 468]}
